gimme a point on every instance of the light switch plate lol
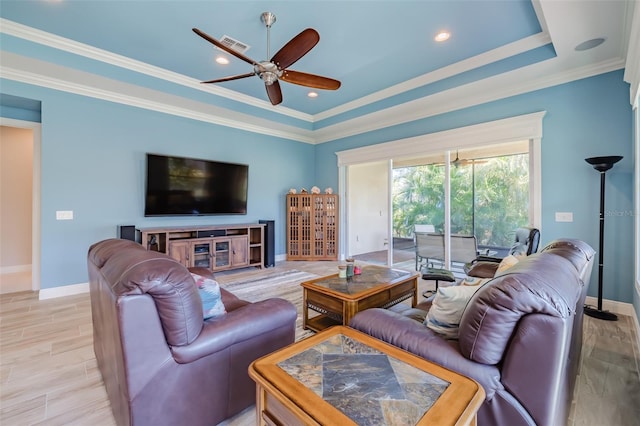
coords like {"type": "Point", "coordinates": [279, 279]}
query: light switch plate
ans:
{"type": "Point", "coordinates": [64, 215]}
{"type": "Point", "coordinates": [564, 216]}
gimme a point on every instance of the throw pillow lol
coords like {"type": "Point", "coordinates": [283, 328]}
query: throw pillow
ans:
{"type": "Point", "coordinates": [447, 308]}
{"type": "Point", "coordinates": [209, 290]}
{"type": "Point", "coordinates": [507, 263]}
{"type": "Point", "coordinates": [474, 281]}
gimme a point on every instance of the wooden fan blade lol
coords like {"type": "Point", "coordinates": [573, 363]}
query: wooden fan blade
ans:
{"type": "Point", "coordinates": [310, 80]}
{"type": "Point", "coordinates": [233, 77]}
{"type": "Point", "coordinates": [296, 48]}
{"type": "Point", "coordinates": [274, 92]}
{"type": "Point", "coordinates": [223, 47]}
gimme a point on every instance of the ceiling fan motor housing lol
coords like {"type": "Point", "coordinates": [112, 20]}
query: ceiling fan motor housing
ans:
{"type": "Point", "coordinates": [268, 72]}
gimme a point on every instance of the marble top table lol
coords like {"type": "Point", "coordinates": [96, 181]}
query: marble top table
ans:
{"type": "Point", "coordinates": [342, 376]}
{"type": "Point", "coordinates": [337, 300]}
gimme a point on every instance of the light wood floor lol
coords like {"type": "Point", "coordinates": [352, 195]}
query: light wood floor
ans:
{"type": "Point", "coordinates": [48, 373]}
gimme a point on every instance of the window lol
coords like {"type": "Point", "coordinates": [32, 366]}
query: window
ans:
{"type": "Point", "coordinates": [489, 197]}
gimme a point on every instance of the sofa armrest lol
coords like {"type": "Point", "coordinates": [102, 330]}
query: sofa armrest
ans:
{"type": "Point", "coordinates": [414, 337]}
{"type": "Point", "coordinates": [241, 324]}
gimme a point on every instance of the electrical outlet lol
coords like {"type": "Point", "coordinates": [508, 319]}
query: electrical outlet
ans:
{"type": "Point", "coordinates": [64, 215]}
{"type": "Point", "coordinates": [564, 216]}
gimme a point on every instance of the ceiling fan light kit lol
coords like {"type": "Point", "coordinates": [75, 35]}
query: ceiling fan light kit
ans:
{"type": "Point", "coordinates": [271, 71]}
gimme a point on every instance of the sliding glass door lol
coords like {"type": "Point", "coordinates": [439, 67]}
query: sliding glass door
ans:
{"type": "Point", "coordinates": [470, 185]}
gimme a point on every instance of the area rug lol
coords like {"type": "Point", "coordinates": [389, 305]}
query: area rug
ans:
{"type": "Point", "coordinates": [284, 284]}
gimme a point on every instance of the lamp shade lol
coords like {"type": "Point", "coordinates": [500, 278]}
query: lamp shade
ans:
{"type": "Point", "coordinates": [602, 164]}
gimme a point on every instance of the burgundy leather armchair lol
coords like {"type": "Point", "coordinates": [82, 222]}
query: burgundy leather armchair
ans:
{"type": "Point", "coordinates": [520, 336]}
{"type": "Point", "coordinates": [161, 363]}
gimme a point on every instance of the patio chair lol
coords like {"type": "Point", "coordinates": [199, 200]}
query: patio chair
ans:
{"type": "Point", "coordinates": [429, 247]}
{"type": "Point", "coordinates": [526, 243]}
{"type": "Point", "coordinates": [463, 249]}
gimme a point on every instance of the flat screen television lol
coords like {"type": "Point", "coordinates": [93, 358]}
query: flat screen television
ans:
{"type": "Point", "coordinates": [178, 186]}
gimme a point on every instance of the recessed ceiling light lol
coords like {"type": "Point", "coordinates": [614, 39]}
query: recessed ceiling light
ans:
{"type": "Point", "coordinates": [590, 44]}
{"type": "Point", "coordinates": [222, 60]}
{"type": "Point", "coordinates": [442, 36]}
{"type": "Point", "coordinates": [312, 94]}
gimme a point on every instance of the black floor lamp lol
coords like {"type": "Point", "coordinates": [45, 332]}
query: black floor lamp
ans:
{"type": "Point", "coordinates": [601, 164]}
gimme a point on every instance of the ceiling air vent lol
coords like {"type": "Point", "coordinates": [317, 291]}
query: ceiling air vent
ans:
{"type": "Point", "coordinates": [234, 44]}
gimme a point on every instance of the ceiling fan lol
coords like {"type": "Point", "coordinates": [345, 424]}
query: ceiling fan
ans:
{"type": "Point", "coordinates": [463, 161]}
{"type": "Point", "coordinates": [276, 68]}
{"type": "Point", "coordinates": [459, 162]}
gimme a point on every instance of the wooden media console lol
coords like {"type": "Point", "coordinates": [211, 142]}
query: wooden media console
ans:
{"type": "Point", "coordinates": [215, 247]}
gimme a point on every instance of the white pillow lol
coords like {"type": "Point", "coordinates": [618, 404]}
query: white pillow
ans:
{"type": "Point", "coordinates": [474, 281]}
{"type": "Point", "coordinates": [507, 263]}
{"type": "Point", "coordinates": [447, 308]}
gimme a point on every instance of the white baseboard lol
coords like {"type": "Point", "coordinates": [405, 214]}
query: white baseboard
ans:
{"type": "Point", "coordinates": [281, 257]}
{"type": "Point", "coordinates": [621, 308]}
{"type": "Point", "coordinates": [15, 269]}
{"type": "Point", "coordinates": [66, 290]}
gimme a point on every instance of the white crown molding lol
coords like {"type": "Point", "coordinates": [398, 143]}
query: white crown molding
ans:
{"type": "Point", "coordinates": [486, 58]}
{"type": "Point", "coordinates": [51, 40]}
{"type": "Point", "coordinates": [22, 69]}
{"type": "Point", "coordinates": [523, 80]}
{"type": "Point", "coordinates": [534, 77]}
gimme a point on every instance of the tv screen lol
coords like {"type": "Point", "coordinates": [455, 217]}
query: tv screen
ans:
{"type": "Point", "coordinates": [187, 186]}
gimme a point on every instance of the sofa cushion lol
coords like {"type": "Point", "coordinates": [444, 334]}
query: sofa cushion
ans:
{"type": "Point", "coordinates": [488, 324]}
{"type": "Point", "coordinates": [447, 308]}
{"type": "Point", "coordinates": [209, 290]}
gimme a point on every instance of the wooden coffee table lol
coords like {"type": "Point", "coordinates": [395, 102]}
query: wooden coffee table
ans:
{"type": "Point", "coordinates": [337, 300]}
{"type": "Point", "coordinates": [342, 376]}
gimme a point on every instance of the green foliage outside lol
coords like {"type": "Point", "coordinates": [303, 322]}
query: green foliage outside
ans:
{"type": "Point", "coordinates": [500, 204]}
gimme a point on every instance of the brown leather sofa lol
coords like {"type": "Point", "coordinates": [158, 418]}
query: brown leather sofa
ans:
{"type": "Point", "coordinates": [520, 336]}
{"type": "Point", "coordinates": [161, 363]}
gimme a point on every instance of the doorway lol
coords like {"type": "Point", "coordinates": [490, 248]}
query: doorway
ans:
{"type": "Point", "coordinates": [20, 201]}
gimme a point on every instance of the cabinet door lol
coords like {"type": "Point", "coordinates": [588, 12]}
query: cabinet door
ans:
{"type": "Point", "coordinates": [202, 254]}
{"type": "Point", "coordinates": [179, 250]}
{"type": "Point", "coordinates": [221, 254]}
{"type": "Point", "coordinates": [299, 218]}
{"type": "Point", "coordinates": [324, 227]}
{"type": "Point", "coordinates": [240, 250]}
{"type": "Point", "coordinates": [331, 226]}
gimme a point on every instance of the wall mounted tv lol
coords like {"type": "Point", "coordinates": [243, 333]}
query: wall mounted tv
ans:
{"type": "Point", "coordinates": [179, 186]}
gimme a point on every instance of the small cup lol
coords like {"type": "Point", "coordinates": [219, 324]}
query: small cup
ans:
{"type": "Point", "coordinates": [342, 271]}
{"type": "Point", "coordinates": [350, 265]}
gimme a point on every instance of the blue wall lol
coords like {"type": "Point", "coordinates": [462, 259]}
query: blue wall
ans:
{"type": "Point", "coordinates": [93, 162]}
{"type": "Point", "coordinates": [585, 118]}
